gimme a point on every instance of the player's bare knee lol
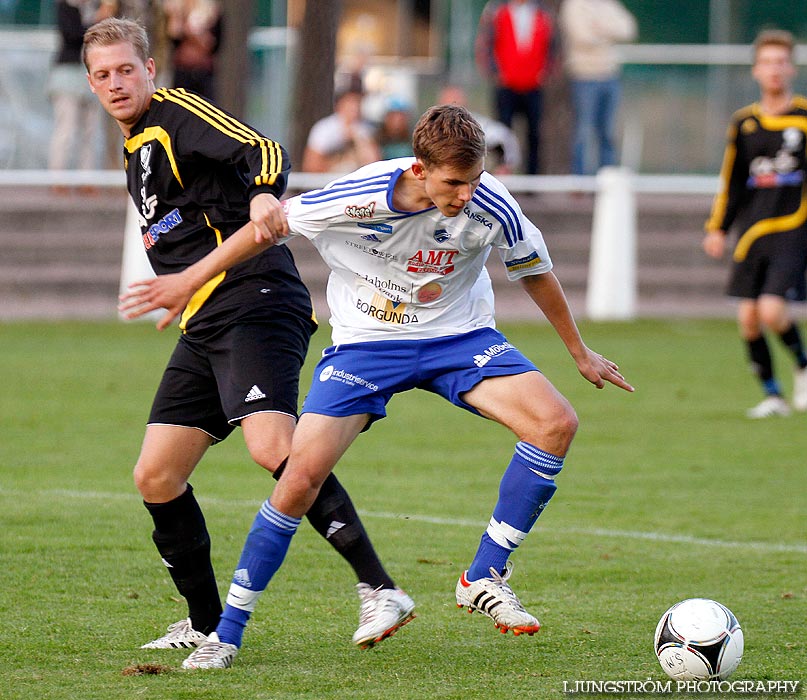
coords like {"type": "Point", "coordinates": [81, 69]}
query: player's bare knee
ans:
{"type": "Point", "coordinates": [304, 483]}
{"type": "Point", "coordinates": [269, 459]}
{"type": "Point", "coordinates": [554, 430]}
{"type": "Point", "coordinates": [157, 485]}
{"type": "Point", "coordinates": [565, 424]}
{"type": "Point", "coordinates": [268, 450]}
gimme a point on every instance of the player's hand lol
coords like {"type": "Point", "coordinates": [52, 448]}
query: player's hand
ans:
{"type": "Point", "coordinates": [169, 292]}
{"type": "Point", "coordinates": [268, 218]}
{"type": "Point", "coordinates": [598, 370]}
{"type": "Point", "coordinates": [714, 244]}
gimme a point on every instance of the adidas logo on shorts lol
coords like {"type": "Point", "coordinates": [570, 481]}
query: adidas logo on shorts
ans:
{"type": "Point", "coordinates": [254, 394]}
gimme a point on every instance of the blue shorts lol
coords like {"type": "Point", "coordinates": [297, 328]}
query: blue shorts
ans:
{"type": "Point", "coordinates": [356, 378]}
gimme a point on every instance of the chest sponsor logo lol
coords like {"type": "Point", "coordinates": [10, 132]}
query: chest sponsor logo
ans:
{"type": "Point", "coordinates": [170, 221]}
{"type": "Point", "coordinates": [354, 211]}
{"type": "Point", "coordinates": [783, 169]}
{"type": "Point", "coordinates": [429, 292]}
{"type": "Point", "coordinates": [493, 351]}
{"type": "Point", "coordinates": [391, 289]}
{"type": "Point", "coordinates": [387, 311]}
{"type": "Point", "coordinates": [524, 263]}
{"type": "Point", "coordinates": [439, 262]}
{"type": "Point", "coordinates": [474, 216]}
{"type": "Point", "coordinates": [331, 374]}
{"type": "Point", "coordinates": [381, 228]}
{"type": "Point", "coordinates": [367, 250]}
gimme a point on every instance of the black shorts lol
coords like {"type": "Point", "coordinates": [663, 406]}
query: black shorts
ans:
{"type": "Point", "coordinates": [775, 264]}
{"type": "Point", "coordinates": [212, 383]}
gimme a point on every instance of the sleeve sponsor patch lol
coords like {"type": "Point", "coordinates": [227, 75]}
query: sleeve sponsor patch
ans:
{"type": "Point", "coordinates": [524, 263]}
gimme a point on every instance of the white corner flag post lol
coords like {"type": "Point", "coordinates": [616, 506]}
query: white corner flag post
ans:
{"type": "Point", "coordinates": [611, 291]}
{"type": "Point", "coordinates": [135, 264]}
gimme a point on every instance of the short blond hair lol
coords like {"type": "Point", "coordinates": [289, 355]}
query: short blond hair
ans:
{"type": "Point", "coordinates": [116, 31]}
{"type": "Point", "coordinates": [774, 37]}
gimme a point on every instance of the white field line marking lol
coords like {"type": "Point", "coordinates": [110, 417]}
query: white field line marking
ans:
{"type": "Point", "coordinates": [456, 522]}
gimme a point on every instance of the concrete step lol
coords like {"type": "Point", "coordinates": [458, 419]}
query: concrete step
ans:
{"type": "Point", "coordinates": [62, 255]}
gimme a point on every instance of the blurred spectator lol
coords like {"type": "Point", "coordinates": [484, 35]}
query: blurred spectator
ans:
{"type": "Point", "coordinates": [194, 27]}
{"type": "Point", "coordinates": [150, 14]}
{"type": "Point", "coordinates": [590, 29]}
{"type": "Point", "coordinates": [395, 132]}
{"type": "Point", "coordinates": [342, 141]}
{"type": "Point", "coordinates": [77, 117]}
{"type": "Point", "coordinates": [515, 48]}
{"type": "Point", "coordinates": [503, 146]}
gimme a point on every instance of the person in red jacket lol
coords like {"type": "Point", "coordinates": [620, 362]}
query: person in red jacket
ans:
{"type": "Point", "coordinates": [515, 48]}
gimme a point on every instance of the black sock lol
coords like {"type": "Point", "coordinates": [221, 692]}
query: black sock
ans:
{"type": "Point", "coordinates": [334, 517]}
{"type": "Point", "coordinates": [792, 340]}
{"type": "Point", "coordinates": [181, 537]}
{"type": "Point", "coordinates": [762, 365]}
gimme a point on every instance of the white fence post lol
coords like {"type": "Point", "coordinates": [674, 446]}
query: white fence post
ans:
{"type": "Point", "coordinates": [135, 264]}
{"type": "Point", "coordinates": [611, 291]}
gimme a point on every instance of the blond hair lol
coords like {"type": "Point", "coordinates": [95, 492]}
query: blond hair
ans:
{"type": "Point", "coordinates": [774, 37]}
{"type": "Point", "coordinates": [116, 31]}
{"type": "Point", "coordinates": [448, 135]}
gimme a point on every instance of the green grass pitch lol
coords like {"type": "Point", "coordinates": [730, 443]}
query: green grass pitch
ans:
{"type": "Point", "coordinates": [668, 493]}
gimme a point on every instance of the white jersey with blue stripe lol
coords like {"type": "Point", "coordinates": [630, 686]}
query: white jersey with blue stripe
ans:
{"type": "Point", "coordinates": [409, 275]}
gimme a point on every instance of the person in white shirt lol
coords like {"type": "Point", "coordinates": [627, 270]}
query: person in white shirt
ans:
{"type": "Point", "coordinates": [590, 30]}
{"type": "Point", "coordinates": [342, 141]}
{"type": "Point", "coordinates": [412, 307]}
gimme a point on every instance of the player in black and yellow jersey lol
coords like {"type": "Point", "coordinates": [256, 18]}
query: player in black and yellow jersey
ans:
{"type": "Point", "coordinates": [197, 175]}
{"type": "Point", "coordinates": [763, 197]}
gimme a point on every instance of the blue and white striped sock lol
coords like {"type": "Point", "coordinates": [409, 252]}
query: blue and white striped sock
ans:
{"type": "Point", "coordinates": [526, 487]}
{"type": "Point", "coordinates": [263, 553]}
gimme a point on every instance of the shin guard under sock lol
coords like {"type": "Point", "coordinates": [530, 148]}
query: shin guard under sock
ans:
{"type": "Point", "coordinates": [525, 489]}
{"type": "Point", "coordinates": [263, 553]}
{"type": "Point", "coordinates": [762, 365]}
{"type": "Point", "coordinates": [181, 538]}
{"type": "Point", "coordinates": [792, 341]}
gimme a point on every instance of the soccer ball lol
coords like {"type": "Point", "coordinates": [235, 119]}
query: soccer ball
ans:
{"type": "Point", "coordinates": [699, 639]}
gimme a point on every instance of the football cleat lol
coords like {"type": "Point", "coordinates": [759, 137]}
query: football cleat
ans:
{"type": "Point", "coordinates": [494, 597]}
{"type": "Point", "coordinates": [769, 406]}
{"type": "Point", "coordinates": [800, 389]}
{"type": "Point", "coordinates": [211, 654]}
{"type": "Point", "coordinates": [383, 612]}
{"type": "Point", "coordinates": [180, 635]}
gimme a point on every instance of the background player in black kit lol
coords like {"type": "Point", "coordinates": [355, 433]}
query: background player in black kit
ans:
{"type": "Point", "coordinates": [763, 197]}
{"type": "Point", "coordinates": [197, 175]}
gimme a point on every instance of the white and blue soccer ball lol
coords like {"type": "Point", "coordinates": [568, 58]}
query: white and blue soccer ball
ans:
{"type": "Point", "coordinates": [699, 639]}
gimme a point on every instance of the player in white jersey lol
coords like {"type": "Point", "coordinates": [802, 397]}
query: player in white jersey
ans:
{"type": "Point", "coordinates": [412, 308]}
{"type": "Point", "coordinates": [398, 274]}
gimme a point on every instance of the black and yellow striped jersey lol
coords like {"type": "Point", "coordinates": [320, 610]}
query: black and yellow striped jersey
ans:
{"type": "Point", "coordinates": [762, 179]}
{"type": "Point", "coordinates": [191, 171]}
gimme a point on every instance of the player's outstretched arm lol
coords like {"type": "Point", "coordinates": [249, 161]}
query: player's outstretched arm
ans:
{"type": "Point", "coordinates": [173, 292]}
{"type": "Point", "coordinates": [546, 292]}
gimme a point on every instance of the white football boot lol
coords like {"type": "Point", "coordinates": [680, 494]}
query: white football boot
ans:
{"type": "Point", "coordinates": [494, 597]}
{"type": "Point", "coordinates": [383, 612]}
{"type": "Point", "coordinates": [769, 406]}
{"type": "Point", "coordinates": [800, 389]}
{"type": "Point", "coordinates": [211, 654]}
{"type": "Point", "coordinates": [180, 635]}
